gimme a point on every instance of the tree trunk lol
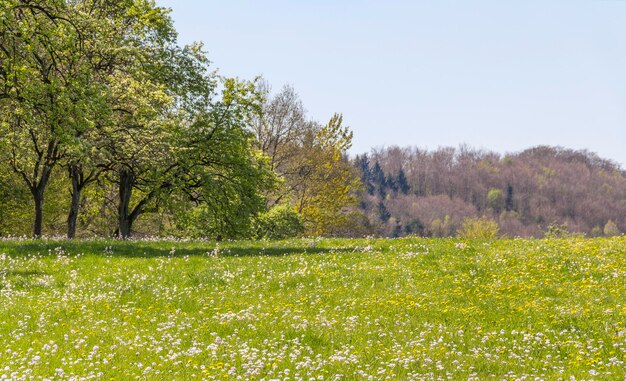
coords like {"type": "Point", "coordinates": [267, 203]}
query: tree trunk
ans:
{"type": "Point", "coordinates": [125, 192]}
{"type": "Point", "coordinates": [75, 203]}
{"type": "Point", "coordinates": [38, 198]}
{"type": "Point", "coordinates": [38, 190]}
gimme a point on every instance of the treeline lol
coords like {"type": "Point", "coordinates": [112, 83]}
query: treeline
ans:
{"type": "Point", "coordinates": [431, 193]}
{"type": "Point", "coordinates": [109, 127]}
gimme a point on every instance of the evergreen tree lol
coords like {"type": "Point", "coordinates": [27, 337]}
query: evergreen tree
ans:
{"type": "Point", "coordinates": [402, 182]}
{"type": "Point", "coordinates": [508, 201]}
{"type": "Point", "coordinates": [397, 230]}
{"type": "Point", "coordinates": [362, 163]}
{"type": "Point", "coordinates": [379, 180]}
{"type": "Point", "coordinates": [415, 227]}
{"type": "Point", "coordinates": [391, 184]}
{"type": "Point", "coordinates": [383, 213]}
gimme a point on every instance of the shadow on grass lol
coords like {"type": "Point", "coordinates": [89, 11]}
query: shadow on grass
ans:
{"type": "Point", "coordinates": [156, 249]}
{"type": "Point", "coordinates": [22, 273]}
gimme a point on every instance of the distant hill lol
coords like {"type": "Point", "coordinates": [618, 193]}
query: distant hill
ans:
{"type": "Point", "coordinates": [430, 193]}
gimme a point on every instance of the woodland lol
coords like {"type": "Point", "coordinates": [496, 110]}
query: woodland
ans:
{"type": "Point", "coordinates": [541, 190]}
{"type": "Point", "coordinates": [110, 128]}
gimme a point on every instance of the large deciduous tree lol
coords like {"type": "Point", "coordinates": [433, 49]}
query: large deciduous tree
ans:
{"type": "Point", "coordinates": [223, 174]}
{"type": "Point", "coordinates": [46, 90]}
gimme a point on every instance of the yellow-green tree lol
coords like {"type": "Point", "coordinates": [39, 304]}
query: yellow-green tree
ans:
{"type": "Point", "coordinates": [317, 180]}
{"type": "Point", "coordinates": [326, 192]}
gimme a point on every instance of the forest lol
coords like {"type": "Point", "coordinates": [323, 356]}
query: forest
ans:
{"type": "Point", "coordinates": [528, 194]}
{"type": "Point", "coordinates": [111, 128]}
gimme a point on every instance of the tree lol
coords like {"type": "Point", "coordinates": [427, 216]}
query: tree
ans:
{"type": "Point", "coordinates": [391, 184]}
{"type": "Point", "coordinates": [168, 133]}
{"type": "Point", "coordinates": [279, 125]}
{"type": "Point", "coordinates": [221, 172]}
{"type": "Point", "coordinates": [379, 179]}
{"type": "Point", "coordinates": [326, 182]}
{"type": "Point", "coordinates": [415, 227]}
{"type": "Point", "coordinates": [310, 161]}
{"type": "Point", "coordinates": [144, 83]}
{"type": "Point", "coordinates": [508, 202]}
{"type": "Point", "coordinates": [103, 89]}
{"type": "Point", "coordinates": [106, 30]}
{"type": "Point", "coordinates": [495, 199]}
{"type": "Point", "coordinates": [403, 184]}
{"type": "Point", "coordinates": [45, 91]}
{"type": "Point", "coordinates": [61, 58]}
{"type": "Point", "coordinates": [142, 154]}
{"type": "Point", "coordinates": [383, 213]}
{"type": "Point", "coordinates": [278, 223]}
{"type": "Point", "coordinates": [479, 228]}
{"type": "Point", "coordinates": [611, 229]}
{"type": "Point", "coordinates": [362, 163]}
{"type": "Point", "coordinates": [525, 190]}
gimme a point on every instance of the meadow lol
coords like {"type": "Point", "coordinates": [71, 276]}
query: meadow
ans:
{"type": "Point", "coordinates": [312, 309]}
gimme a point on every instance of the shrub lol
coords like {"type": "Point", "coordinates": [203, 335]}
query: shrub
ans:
{"type": "Point", "coordinates": [555, 230]}
{"type": "Point", "coordinates": [479, 228]}
{"type": "Point", "coordinates": [596, 231]}
{"type": "Point", "coordinates": [279, 222]}
{"type": "Point", "coordinates": [611, 229]}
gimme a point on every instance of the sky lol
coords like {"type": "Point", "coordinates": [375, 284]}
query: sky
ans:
{"type": "Point", "coordinates": [494, 75]}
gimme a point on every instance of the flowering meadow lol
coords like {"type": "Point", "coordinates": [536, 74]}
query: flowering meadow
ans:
{"type": "Point", "coordinates": [402, 309]}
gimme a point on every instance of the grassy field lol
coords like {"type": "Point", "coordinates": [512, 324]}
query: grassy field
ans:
{"type": "Point", "coordinates": [404, 309]}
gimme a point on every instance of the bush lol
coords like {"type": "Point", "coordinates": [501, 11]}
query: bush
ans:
{"type": "Point", "coordinates": [279, 222]}
{"type": "Point", "coordinates": [555, 230]}
{"type": "Point", "coordinates": [479, 228]}
{"type": "Point", "coordinates": [611, 229]}
{"type": "Point", "coordinates": [596, 232]}
{"type": "Point", "coordinates": [561, 231]}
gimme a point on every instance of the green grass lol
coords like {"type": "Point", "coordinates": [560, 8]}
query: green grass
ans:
{"type": "Point", "coordinates": [325, 309]}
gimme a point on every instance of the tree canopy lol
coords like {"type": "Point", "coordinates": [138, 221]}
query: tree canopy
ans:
{"type": "Point", "coordinates": [101, 105]}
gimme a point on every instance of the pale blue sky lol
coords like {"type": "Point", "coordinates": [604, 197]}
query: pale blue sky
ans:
{"type": "Point", "coordinates": [497, 75]}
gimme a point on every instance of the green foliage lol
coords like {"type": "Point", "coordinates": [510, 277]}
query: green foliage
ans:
{"type": "Point", "coordinates": [596, 231]}
{"type": "Point", "coordinates": [329, 183]}
{"type": "Point", "coordinates": [311, 162]}
{"type": "Point", "coordinates": [278, 223]}
{"type": "Point", "coordinates": [15, 204]}
{"type": "Point", "coordinates": [103, 90]}
{"type": "Point", "coordinates": [45, 87]}
{"type": "Point", "coordinates": [479, 228]}
{"type": "Point", "coordinates": [556, 230]}
{"type": "Point", "coordinates": [441, 228]}
{"type": "Point", "coordinates": [611, 229]}
{"type": "Point", "coordinates": [219, 168]}
{"type": "Point", "coordinates": [495, 199]}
